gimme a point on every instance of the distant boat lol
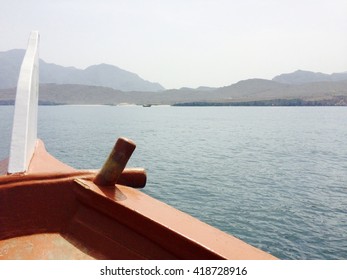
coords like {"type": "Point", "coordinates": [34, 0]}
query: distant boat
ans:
{"type": "Point", "coordinates": [49, 210]}
{"type": "Point", "coordinates": [146, 105]}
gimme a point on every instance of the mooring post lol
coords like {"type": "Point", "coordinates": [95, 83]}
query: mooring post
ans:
{"type": "Point", "coordinates": [115, 163]}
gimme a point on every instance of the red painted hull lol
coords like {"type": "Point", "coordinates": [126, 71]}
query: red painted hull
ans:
{"type": "Point", "coordinates": [56, 212]}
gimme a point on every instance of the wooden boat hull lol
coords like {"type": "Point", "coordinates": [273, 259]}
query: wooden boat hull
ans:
{"type": "Point", "coordinates": [57, 212]}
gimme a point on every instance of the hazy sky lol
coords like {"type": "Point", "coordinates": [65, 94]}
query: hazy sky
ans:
{"type": "Point", "coordinates": [184, 42]}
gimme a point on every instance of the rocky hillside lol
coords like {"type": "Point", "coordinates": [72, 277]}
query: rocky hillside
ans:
{"type": "Point", "coordinates": [335, 93]}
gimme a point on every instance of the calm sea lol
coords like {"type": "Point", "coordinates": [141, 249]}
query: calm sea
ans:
{"type": "Point", "coordinates": [276, 177]}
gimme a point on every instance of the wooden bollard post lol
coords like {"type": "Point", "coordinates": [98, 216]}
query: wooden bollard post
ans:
{"type": "Point", "coordinates": [115, 163]}
{"type": "Point", "coordinates": [133, 177]}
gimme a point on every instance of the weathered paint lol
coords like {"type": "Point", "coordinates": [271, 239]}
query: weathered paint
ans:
{"type": "Point", "coordinates": [115, 163]}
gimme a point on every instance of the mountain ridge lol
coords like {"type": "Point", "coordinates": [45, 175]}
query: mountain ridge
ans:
{"type": "Point", "coordinates": [240, 93]}
{"type": "Point", "coordinates": [303, 77]}
{"type": "Point", "coordinates": [83, 87]}
{"type": "Point", "coordinates": [95, 75]}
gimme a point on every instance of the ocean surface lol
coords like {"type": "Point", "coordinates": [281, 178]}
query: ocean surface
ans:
{"type": "Point", "coordinates": [275, 177]}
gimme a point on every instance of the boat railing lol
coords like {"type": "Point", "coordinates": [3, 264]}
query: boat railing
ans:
{"type": "Point", "coordinates": [24, 130]}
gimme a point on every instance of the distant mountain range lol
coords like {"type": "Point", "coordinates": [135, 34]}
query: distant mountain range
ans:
{"type": "Point", "coordinates": [303, 77]}
{"type": "Point", "coordinates": [264, 92]}
{"type": "Point", "coordinates": [107, 84]}
{"type": "Point", "coordinates": [96, 75]}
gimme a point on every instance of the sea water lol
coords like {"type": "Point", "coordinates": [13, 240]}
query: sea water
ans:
{"type": "Point", "coordinates": [275, 177]}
